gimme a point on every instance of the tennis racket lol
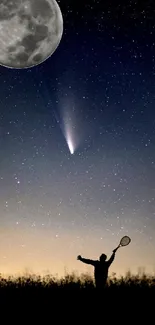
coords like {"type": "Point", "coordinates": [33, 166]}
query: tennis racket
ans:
{"type": "Point", "coordinates": [123, 242]}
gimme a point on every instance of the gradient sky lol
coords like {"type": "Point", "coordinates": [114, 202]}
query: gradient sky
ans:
{"type": "Point", "coordinates": [55, 205]}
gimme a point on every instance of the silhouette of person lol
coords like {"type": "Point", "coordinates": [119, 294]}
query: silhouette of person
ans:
{"type": "Point", "coordinates": [101, 267]}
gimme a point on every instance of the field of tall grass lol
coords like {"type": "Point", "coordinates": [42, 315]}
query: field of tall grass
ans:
{"type": "Point", "coordinates": [77, 294]}
{"type": "Point", "coordinates": [73, 281]}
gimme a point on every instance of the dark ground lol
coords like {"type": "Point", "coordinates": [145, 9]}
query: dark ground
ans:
{"type": "Point", "coordinates": [35, 300]}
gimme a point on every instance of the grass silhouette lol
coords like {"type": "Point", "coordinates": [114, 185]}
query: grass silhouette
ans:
{"type": "Point", "coordinates": [32, 294]}
{"type": "Point", "coordinates": [72, 281]}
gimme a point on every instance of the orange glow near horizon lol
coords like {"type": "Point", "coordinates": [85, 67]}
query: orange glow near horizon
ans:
{"type": "Point", "coordinates": [43, 252]}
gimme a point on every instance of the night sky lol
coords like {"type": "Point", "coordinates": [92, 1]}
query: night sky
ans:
{"type": "Point", "coordinates": [55, 205]}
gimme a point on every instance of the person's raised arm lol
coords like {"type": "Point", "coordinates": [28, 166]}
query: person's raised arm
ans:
{"type": "Point", "coordinates": [111, 258]}
{"type": "Point", "coordinates": [86, 261]}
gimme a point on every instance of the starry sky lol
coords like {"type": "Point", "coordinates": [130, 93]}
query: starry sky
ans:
{"type": "Point", "coordinates": [55, 205]}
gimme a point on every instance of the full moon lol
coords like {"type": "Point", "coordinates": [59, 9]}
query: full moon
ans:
{"type": "Point", "coordinates": [30, 32]}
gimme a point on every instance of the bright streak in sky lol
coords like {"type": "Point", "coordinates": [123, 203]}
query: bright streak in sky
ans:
{"type": "Point", "coordinates": [69, 140]}
{"type": "Point", "coordinates": [70, 125]}
{"type": "Point", "coordinates": [70, 146]}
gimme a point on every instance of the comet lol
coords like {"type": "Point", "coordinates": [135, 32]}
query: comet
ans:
{"type": "Point", "coordinates": [69, 123]}
{"type": "Point", "coordinates": [70, 144]}
{"type": "Point", "coordinates": [69, 138]}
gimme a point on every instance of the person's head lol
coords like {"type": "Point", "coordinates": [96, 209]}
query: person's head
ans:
{"type": "Point", "coordinates": [103, 258]}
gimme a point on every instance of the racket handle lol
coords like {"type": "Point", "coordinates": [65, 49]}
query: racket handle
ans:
{"type": "Point", "coordinates": [114, 251]}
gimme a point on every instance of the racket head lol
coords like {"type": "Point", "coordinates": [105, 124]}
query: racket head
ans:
{"type": "Point", "coordinates": [125, 240]}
